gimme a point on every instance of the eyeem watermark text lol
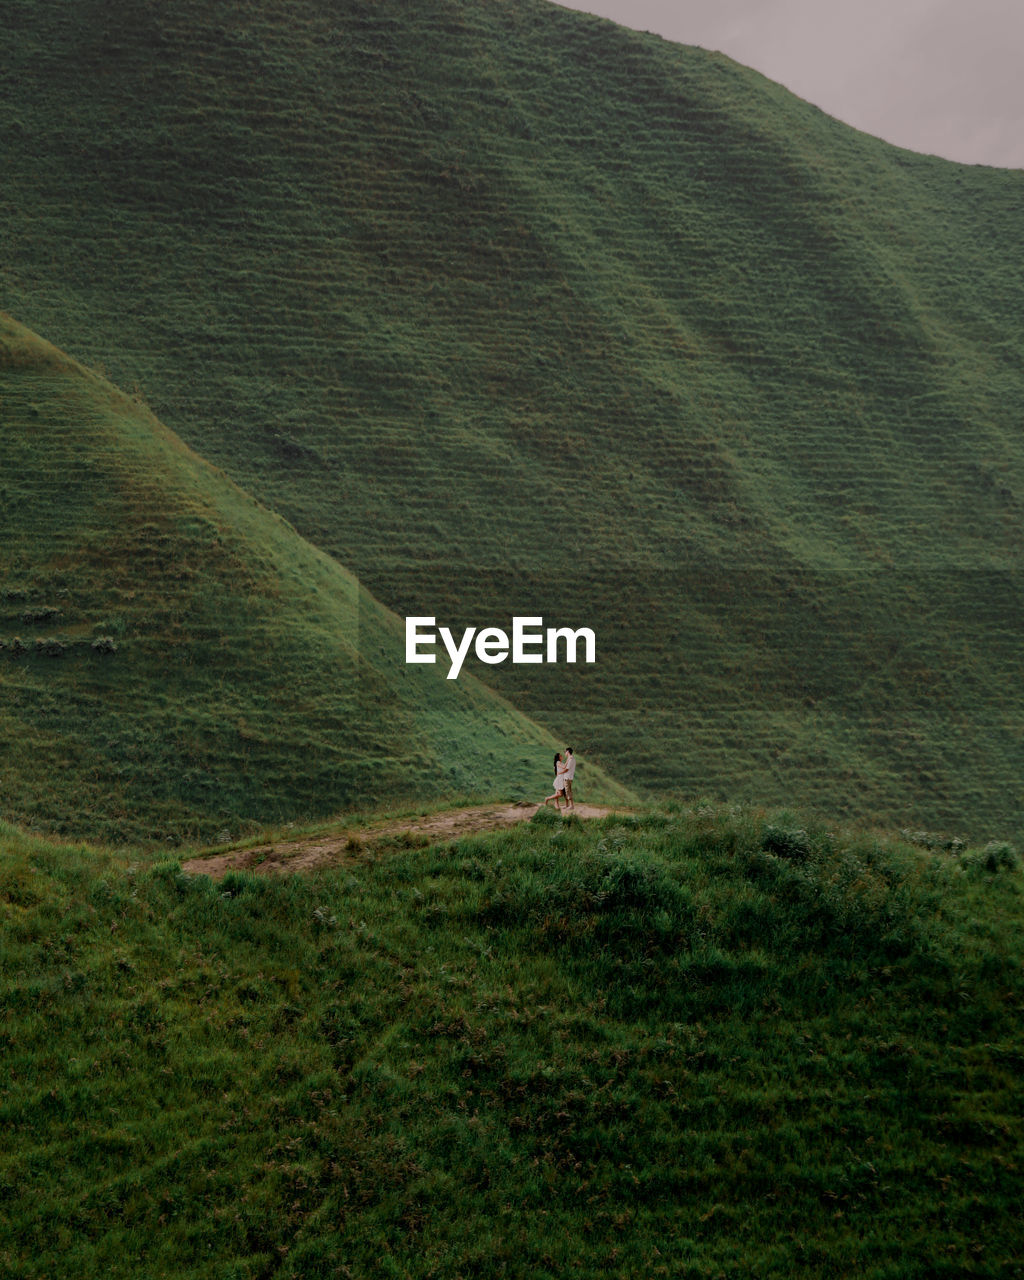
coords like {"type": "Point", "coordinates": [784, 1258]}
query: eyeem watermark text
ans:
{"type": "Point", "coordinates": [528, 643]}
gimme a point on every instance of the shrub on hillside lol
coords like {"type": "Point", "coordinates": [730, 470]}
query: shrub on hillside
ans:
{"type": "Point", "coordinates": [783, 842]}
{"type": "Point", "coordinates": [997, 855]}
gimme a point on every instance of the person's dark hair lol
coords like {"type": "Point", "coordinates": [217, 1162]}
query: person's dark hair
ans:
{"type": "Point", "coordinates": [558, 756]}
{"type": "Point", "coordinates": [569, 749]}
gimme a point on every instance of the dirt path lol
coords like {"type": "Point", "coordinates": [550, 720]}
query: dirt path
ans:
{"type": "Point", "coordinates": [338, 847]}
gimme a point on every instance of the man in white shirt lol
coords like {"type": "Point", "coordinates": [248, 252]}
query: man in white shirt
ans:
{"type": "Point", "coordinates": [570, 773]}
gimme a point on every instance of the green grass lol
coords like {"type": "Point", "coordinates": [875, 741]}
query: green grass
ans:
{"type": "Point", "coordinates": [514, 311]}
{"type": "Point", "coordinates": [474, 309]}
{"type": "Point", "coordinates": [178, 663]}
{"type": "Point", "coordinates": [695, 1042]}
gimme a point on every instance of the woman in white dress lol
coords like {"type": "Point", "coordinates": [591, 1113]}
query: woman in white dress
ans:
{"type": "Point", "coordinates": [558, 795]}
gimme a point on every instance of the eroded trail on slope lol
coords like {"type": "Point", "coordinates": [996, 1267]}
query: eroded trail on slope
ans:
{"type": "Point", "coordinates": [338, 847]}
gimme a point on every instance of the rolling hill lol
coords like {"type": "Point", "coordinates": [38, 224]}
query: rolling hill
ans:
{"type": "Point", "coordinates": [510, 310]}
{"type": "Point", "coordinates": [176, 663]}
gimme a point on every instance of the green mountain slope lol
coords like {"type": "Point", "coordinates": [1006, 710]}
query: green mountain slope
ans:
{"type": "Point", "coordinates": [176, 661]}
{"type": "Point", "coordinates": [512, 310]}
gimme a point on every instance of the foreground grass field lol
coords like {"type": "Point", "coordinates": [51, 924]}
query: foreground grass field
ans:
{"type": "Point", "coordinates": [695, 1042]}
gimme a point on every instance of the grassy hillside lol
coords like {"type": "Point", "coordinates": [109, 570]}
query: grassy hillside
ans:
{"type": "Point", "coordinates": [175, 661]}
{"type": "Point", "coordinates": [512, 310]}
{"type": "Point", "coordinates": [698, 1043]}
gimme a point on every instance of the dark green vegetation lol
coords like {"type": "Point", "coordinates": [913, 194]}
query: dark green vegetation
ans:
{"type": "Point", "coordinates": [696, 1043]}
{"type": "Point", "coordinates": [176, 661]}
{"type": "Point", "coordinates": [511, 310]}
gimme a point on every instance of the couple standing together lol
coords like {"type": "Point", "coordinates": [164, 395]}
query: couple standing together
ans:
{"type": "Point", "coordinates": [565, 771]}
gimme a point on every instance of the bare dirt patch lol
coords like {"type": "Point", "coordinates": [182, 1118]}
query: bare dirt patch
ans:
{"type": "Point", "coordinates": [338, 847]}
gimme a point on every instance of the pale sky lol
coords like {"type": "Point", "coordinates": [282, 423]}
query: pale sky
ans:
{"type": "Point", "coordinates": [945, 77]}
